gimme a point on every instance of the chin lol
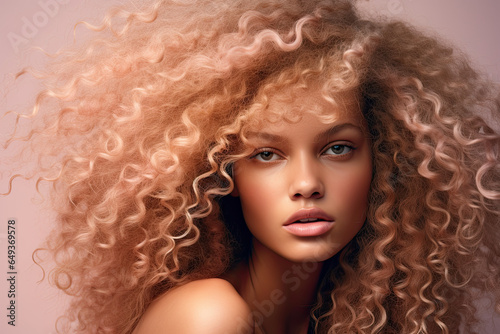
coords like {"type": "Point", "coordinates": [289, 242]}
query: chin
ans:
{"type": "Point", "coordinates": [314, 254]}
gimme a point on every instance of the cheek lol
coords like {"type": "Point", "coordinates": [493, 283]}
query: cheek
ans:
{"type": "Point", "coordinates": [256, 193]}
{"type": "Point", "coordinates": [352, 191]}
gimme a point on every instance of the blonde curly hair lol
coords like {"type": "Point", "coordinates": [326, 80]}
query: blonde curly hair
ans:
{"type": "Point", "coordinates": [143, 123]}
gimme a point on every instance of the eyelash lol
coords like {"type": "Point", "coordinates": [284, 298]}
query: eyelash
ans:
{"type": "Point", "coordinates": [258, 152]}
{"type": "Point", "coordinates": [351, 148]}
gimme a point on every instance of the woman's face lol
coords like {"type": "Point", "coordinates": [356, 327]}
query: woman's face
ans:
{"type": "Point", "coordinates": [304, 187]}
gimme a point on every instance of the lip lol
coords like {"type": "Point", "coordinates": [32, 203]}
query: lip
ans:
{"type": "Point", "coordinates": [309, 229]}
{"type": "Point", "coordinates": [307, 213]}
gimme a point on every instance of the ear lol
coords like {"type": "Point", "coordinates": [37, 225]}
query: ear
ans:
{"type": "Point", "coordinates": [235, 192]}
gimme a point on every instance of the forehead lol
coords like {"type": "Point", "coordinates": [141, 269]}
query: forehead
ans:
{"type": "Point", "coordinates": [289, 106]}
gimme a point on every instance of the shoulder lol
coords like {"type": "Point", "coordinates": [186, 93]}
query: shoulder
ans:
{"type": "Point", "coordinates": [203, 306]}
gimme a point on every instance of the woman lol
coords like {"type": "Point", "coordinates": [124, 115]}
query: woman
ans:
{"type": "Point", "coordinates": [270, 167]}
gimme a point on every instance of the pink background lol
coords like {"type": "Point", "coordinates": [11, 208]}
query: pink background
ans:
{"type": "Point", "coordinates": [471, 25]}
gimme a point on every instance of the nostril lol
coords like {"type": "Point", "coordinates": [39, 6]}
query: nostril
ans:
{"type": "Point", "coordinates": [315, 194]}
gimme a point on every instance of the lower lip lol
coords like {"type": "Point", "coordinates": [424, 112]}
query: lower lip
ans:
{"type": "Point", "coordinates": [312, 229]}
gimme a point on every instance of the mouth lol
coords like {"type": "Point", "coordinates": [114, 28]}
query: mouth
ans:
{"type": "Point", "coordinates": [309, 222]}
{"type": "Point", "coordinates": [308, 215]}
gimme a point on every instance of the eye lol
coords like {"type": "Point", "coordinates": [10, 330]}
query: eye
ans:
{"type": "Point", "coordinates": [338, 149]}
{"type": "Point", "coordinates": [265, 155]}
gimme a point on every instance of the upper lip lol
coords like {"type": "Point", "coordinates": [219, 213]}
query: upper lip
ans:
{"type": "Point", "coordinates": [306, 213]}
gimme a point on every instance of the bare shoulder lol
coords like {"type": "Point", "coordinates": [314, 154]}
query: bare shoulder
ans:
{"type": "Point", "coordinates": [205, 306]}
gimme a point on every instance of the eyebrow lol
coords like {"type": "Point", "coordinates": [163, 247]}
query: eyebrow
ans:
{"type": "Point", "coordinates": [320, 136]}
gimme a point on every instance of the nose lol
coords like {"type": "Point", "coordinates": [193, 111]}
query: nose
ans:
{"type": "Point", "coordinates": [305, 179]}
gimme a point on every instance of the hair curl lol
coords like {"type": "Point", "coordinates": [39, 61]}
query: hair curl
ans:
{"type": "Point", "coordinates": [143, 124]}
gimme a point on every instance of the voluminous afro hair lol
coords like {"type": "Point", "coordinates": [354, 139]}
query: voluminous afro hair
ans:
{"type": "Point", "coordinates": [142, 123]}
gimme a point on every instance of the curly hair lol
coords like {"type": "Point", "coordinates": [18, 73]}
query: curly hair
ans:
{"type": "Point", "coordinates": [143, 123]}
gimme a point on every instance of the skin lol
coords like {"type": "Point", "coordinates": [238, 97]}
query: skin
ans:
{"type": "Point", "coordinates": [303, 165]}
{"type": "Point", "coordinates": [208, 306]}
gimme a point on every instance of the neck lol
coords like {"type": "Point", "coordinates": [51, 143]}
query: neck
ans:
{"type": "Point", "coordinates": [280, 292]}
